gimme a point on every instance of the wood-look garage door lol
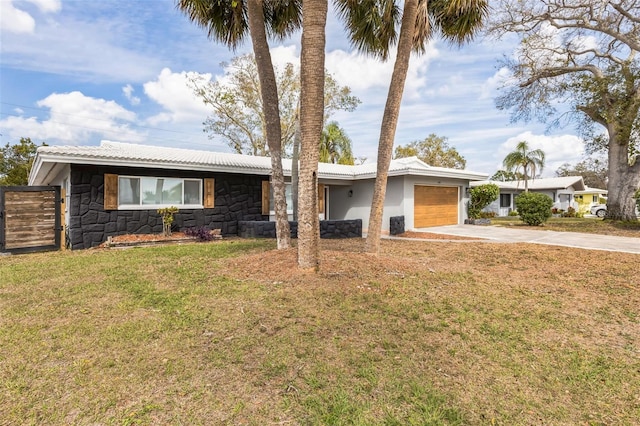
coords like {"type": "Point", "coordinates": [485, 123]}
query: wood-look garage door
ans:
{"type": "Point", "coordinates": [435, 206]}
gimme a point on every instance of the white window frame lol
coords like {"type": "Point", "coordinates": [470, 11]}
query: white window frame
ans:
{"type": "Point", "coordinates": [141, 206]}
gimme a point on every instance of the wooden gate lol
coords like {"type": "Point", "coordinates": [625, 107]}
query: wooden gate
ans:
{"type": "Point", "coordinates": [30, 218]}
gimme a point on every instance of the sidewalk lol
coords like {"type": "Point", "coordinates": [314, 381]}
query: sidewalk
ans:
{"type": "Point", "coordinates": [565, 239]}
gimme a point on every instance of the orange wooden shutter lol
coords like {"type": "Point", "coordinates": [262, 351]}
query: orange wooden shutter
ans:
{"type": "Point", "coordinates": [265, 197]}
{"type": "Point", "coordinates": [320, 198]}
{"type": "Point", "coordinates": [209, 193]}
{"type": "Point", "coordinates": [110, 191]}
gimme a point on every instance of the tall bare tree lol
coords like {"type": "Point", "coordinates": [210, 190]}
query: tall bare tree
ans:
{"type": "Point", "coordinates": [228, 22]}
{"type": "Point", "coordinates": [314, 18]}
{"type": "Point", "coordinates": [584, 55]}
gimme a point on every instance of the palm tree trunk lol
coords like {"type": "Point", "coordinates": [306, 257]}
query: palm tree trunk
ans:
{"type": "Point", "coordinates": [295, 165]}
{"type": "Point", "coordinates": [314, 18]}
{"type": "Point", "coordinates": [389, 124]}
{"type": "Point", "coordinates": [269, 92]}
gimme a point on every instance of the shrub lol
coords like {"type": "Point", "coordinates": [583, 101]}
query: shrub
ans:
{"type": "Point", "coordinates": [571, 212]}
{"type": "Point", "coordinates": [200, 233]}
{"type": "Point", "coordinates": [481, 197]}
{"type": "Point", "coordinates": [534, 208]}
{"type": "Point", "coordinates": [487, 215]}
{"type": "Point", "coordinates": [513, 213]}
{"type": "Point", "coordinates": [167, 219]}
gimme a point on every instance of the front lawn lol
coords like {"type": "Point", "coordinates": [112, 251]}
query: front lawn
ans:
{"type": "Point", "coordinates": [231, 333]}
{"type": "Point", "coordinates": [574, 224]}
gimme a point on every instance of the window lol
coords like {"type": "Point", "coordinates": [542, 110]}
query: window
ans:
{"type": "Point", "coordinates": [505, 200]}
{"type": "Point", "coordinates": [154, 192]}
{"type": "Point", "coordinates": [267, 198]}
{"type": "Point", "coordinates": [595, 199]}
{"type": "Point", "coordinates": [135, 192]}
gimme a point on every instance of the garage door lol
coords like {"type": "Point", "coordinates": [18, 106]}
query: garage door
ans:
{"type": "Point", "coordinates": [435, 206]}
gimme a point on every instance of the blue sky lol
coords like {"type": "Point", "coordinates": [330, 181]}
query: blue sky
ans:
{"type": "Point", "coordinates": [76, 72]}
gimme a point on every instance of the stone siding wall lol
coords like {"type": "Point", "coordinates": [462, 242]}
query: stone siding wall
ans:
{"type": "Point", "coordinates": [328, 229]}
{"type": "Point", "coordinates": [237, 198]}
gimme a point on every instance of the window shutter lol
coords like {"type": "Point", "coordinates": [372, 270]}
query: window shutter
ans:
{"type": "Point", "coordinates": [320, 198]}
{"type": "Point", "coordinates": [110, 191]}
{"type": "Point", "coordinates": [209, 193]}
{"type": "Point", "coordinates": [265, 197]}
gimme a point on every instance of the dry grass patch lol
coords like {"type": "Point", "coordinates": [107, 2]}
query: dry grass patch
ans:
{"type": "Point", "coordinates": [232, 333]}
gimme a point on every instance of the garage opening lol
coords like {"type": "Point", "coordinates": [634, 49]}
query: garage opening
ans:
{"type": "Point", "coordinates": [435, 206]}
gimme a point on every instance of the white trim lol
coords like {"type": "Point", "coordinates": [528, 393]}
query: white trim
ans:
{"type": "Point", "coordinates": [133, 155]}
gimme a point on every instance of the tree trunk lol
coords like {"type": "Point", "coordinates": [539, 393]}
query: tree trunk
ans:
{"type": "Point", "coordinates": [314, 18]}
{"type": "Point", "coordinates": [389, 124]}
{"type": "Point", "coordinates": [624, 180]}
{"type": "Point", "coordinates": [269, 92]}
{"type": "Point", "coordinates": [295, 165]}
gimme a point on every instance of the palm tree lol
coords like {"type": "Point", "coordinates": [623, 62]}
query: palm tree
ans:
{"type": "Point", "coordinates": [228, 22]}
{"type": "Point", "coordinates": [314, 16]}
{"type": "Point", "coordinates": [372, 28]}
{"type": "Point", "coordinates": [335, 145]}
{"type": "Point", "coordinates": [525, 160]}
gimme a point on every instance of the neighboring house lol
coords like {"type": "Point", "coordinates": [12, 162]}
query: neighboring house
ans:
{"type": "Point", "coordinates": [589, 198]}
{"type": "Point", "coordinates": [116, 188]}
{"type": "Point", "coordinates": [561, 190]}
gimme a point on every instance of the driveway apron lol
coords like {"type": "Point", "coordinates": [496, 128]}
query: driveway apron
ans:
{"type": "Point", "coordinates": [565, 239]}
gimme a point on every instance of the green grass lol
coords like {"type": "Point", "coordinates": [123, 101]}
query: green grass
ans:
{"type": "Point", "coordinates": [226, 333]}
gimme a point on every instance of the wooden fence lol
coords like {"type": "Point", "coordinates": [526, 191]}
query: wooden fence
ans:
{"type": "Point", "coordinates": [31, 218]}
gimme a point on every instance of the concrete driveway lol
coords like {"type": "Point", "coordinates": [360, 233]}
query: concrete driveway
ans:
{"type": "Point", "coordinates": [566, 239]}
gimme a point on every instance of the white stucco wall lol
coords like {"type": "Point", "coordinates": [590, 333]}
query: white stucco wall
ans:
{"type": "Point", "coordinates": [354, 201]}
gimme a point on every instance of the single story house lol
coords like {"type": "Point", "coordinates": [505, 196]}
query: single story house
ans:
{"type": "Point", "coordinates": [589, 197]}
{"type": "Point", "coordinates": [560, 189]}
{"type": "Point", "coordinates": [116, 188]}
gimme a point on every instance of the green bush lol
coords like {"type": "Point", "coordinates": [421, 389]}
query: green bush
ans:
{"type": "Point", "coordinates": [534, 208]}
{"type": "Point", "coordinates": [481, 197]}
{"type": "Point", "coordinates": [513, 213]}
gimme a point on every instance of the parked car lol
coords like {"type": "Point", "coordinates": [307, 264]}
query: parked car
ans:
{"type": "Point", "coordinates": [599, 210]}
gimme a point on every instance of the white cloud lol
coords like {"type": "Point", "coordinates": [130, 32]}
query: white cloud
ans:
{"type": "Point", "coordinates": [47, 5]}
{"type": "Point", "coordinates": [128, 93]}
{"type": "Point", "coordinates": [491, 85]}
{"type": "Point", "coordinates": [18, 21]}
{"type": "Point", "coordinates": [558, 149]}
{"type": "Point", "coordinates": [74, 119]}
{"type": "Point", "coordinates": [171, 91]}
{"type": "Point", "coordinates": [283, 55]}
{"type": "Point", "coordinates": [15, 20]}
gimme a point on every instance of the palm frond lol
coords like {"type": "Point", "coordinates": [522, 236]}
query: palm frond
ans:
{"type": "Point", "coordinates": [371, 24]}
{"type": "Point", "coordinates": [458, 21]}
{"type": "Point", "coordinates": [283, 17]}
{"type": "Point", "coordinates": [224, 21]}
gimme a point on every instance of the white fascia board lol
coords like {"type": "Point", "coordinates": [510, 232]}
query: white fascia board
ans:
{"type": "Point", "coordinates": [118, 162]}
{"type": "Point", "coordinates": [35, 169]}
{"type": "Point", "coordinates": [429, 173]}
